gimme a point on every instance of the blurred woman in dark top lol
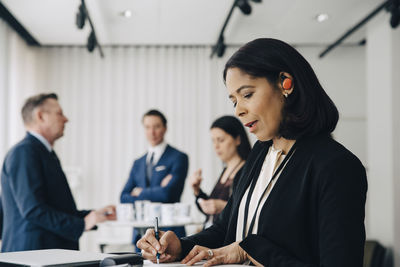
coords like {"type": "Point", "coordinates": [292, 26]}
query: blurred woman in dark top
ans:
{"type": "Point", "coordinates": [232, 146]}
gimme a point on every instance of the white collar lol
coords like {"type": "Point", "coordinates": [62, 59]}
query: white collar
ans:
{"type": "Point", "coordinates": [158, 150]}
{"type": "Point", "coordinates": [42, 140]}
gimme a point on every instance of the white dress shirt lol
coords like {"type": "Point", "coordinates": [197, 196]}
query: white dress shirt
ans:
{"type": "Point", "coordinates": [272, 160]}
{"type": "Point", "coordinates": [158, 150]}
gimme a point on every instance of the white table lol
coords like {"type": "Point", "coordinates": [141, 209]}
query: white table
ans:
{"type": "Point", "coordinates": [147, 224]}
{"type": "Point", "coordinates": [52, 257]}
{"type": "Point", "coordinates": [141, 226]}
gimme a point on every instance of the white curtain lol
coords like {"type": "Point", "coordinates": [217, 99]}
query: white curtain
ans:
{"type": "Point", "coordinates": [17, 81]}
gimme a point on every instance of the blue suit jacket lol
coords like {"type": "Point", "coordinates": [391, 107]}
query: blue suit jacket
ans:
{"type": "Point", "coordinates": [39, 209]}
{"type": "Point", "coordinates": [172, 162]}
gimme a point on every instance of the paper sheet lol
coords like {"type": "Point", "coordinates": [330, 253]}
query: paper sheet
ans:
{"type": "Point", "coordinates": [173, 264]}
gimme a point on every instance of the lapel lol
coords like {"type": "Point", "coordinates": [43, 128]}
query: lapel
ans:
{"type": "Point", "coordinates": [252, 167]}
{"type": "Point", "coordinates": [249, 173]}
{"type": "Point", "coordinates": [163, 157]}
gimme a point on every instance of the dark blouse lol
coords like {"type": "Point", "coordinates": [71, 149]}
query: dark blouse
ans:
{"type": "Point", "coordinates": [221, 191]}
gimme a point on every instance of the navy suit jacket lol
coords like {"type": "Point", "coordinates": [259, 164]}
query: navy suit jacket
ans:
{"type": "Point", "coordinates": [39, 209]}
{"type": "Point", "coordinates": [172, 162]}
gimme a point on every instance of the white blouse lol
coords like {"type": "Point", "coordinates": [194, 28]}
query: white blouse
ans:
{"type": "Point", "coordinates": [272, 160]}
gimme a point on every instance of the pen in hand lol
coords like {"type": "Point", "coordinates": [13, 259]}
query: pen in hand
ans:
{"type": "Point", "coordinates": [157, 234]}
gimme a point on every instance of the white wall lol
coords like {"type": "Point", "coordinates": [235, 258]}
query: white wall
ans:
{"type": "Point", "coordinates": [383, 68]}
{"type": "Point", "coordinates": [17, 74]}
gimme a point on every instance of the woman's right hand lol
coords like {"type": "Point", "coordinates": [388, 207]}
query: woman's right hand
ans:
{"type": "Point", "coordinates": [169, 246]}
{"type": "Point", "coordinates": [195, 181]}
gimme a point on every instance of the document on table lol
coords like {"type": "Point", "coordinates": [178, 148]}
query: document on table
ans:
{"type": "Point", "coordinates": [173, 264]}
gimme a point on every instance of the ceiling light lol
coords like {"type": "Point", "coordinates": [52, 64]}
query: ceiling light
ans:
{"type": "Point", "coordinates": [322, 17]}
{"type": "Point", "coordinates": [127, 13]}
{"type": "Point", "coordinates": [395, 11]}
{"type": "Point", "coordinates": [91, 42]}
{"type": "Point", "coordinates": [80, 17]}
{"type": "Point", "coordinates": [244, 6]}
{"type": "Point", "coordinates": [220, 47]}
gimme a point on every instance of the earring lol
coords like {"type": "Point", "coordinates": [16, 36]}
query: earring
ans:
{"type": "Point", "coordinates": [286, 94]}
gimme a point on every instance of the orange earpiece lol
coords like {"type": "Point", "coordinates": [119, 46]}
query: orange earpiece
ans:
{"type": "Point", "coordinates": [286, 82]}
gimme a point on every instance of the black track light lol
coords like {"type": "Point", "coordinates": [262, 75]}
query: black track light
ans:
{"type": "Point", "coordinates": [395, 10]}
{"type": "Point", "coordinates": [220, 47]}
{"type": "Point", "coordinates": [81, 17]}
{"type": "Point", "coordinates": [244, 6]}
{"type": "Point", "coordinates": [91, 42]}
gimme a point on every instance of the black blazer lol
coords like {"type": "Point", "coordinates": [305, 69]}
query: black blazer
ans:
{"type": "Point", "coordinates": [39, 209]}
{"type": "Point", "coordinates": [314, 215]}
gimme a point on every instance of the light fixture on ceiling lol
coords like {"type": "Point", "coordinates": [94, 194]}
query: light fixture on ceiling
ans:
{"type": "Point", "coordinates": [395, 11]}
{"type": "Point", "coordinates": [126, 13]}
{"type": "Point", "coordinates": [220, 47]}
{"type": "Point", "coordinates": [244, 6]}
{"type": "Point", "coordinates": [390, 6]}
{"type": "Point", "coordinates": [91, 42]}
{"type": "Point", "coordinates": [81, 17]}
{"type": "Point", "coordinates": [322, 17]}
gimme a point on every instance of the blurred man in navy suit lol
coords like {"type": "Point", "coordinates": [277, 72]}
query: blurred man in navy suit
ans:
{"type": "Point", "coordinates": [159, 175]}
{"type": "Point", "coordinates": [39, 209]}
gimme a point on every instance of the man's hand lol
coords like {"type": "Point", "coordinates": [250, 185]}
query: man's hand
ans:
{"type": "Point", "coordinates": [98, 216]}
{"type": "Point", "coordinates": [165, 181]}
{"type": "Point", "coordinates": [212, 206]}
{"type": "Point", "coordinates": [136, 191]}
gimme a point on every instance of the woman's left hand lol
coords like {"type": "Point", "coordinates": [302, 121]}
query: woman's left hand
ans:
{"type": "Point", "coordinates": [212, 206]}
{"type": "Point", "coordinates": [230, 254]}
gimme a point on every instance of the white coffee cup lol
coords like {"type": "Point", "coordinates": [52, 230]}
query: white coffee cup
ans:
{"type": "Point", "coordinates": [154, 210]}
{"type": "Point", "coordinates": [182, 211]}
{"type": "Point", "coordinates": [168, 213]}
{"type": "Point", "coordinates": [140, 210]}
{"type": "Point", "coordinates": [125, 212]}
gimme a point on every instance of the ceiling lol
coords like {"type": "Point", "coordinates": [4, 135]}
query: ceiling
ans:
{"type": "Point", "coordinates": [190, 22]}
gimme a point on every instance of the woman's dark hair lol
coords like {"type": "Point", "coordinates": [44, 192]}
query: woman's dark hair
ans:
{"type": "Point", "coordinates": [308, 110]}
{"type": "Point", "coordinates": [234, 128]}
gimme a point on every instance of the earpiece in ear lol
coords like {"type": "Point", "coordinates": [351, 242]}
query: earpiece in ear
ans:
{"type": "Point", "coordinates": [286, 82]}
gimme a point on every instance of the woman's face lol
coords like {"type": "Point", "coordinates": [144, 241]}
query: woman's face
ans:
{"type": "Point", "coordinates": [257, 103]}
{"type": "Point", "coordinates": [225, 145]}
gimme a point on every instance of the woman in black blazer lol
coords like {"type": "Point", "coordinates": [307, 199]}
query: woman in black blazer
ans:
{"type": "Point", "coordinates": [301, 199]}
